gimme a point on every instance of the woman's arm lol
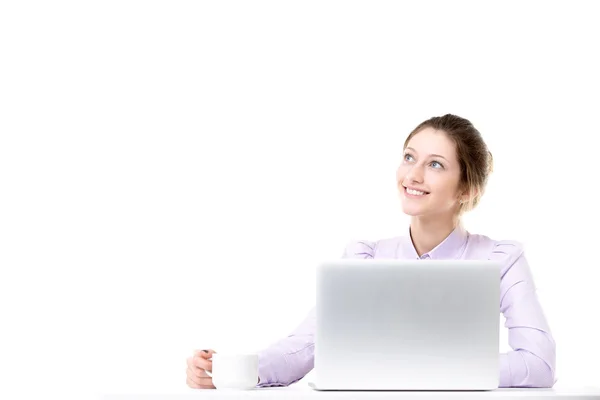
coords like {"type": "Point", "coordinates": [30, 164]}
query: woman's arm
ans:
{"type": "Point", "coordinates": [532, 362]}
{"type": "Point", "coordinates": [291, 358]}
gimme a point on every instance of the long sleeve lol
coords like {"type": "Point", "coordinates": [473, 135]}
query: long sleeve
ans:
{"type": "Point", "coordinates": [289, 359]}
{"type": "Point", "coordinates": [532, 362]}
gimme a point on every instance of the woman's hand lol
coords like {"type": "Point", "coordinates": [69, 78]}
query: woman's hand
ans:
{"type": "Point", "coordinates": [197, 365]}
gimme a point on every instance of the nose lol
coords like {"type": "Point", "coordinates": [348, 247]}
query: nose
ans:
{"type": "Point", "coordinates": [415, 174]}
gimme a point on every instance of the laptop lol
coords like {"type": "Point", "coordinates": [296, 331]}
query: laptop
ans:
{"type": "Point", "coordinates": [384, 324]}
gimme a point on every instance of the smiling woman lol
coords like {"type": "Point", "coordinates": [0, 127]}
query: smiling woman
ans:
{"type": "Point", "coordinates": [444, 170]}
{"type": "Point", "coordinates": [443, 174]}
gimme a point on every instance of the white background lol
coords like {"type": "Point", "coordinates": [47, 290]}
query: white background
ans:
{"type": "Point", "coordinates": [171, 172]}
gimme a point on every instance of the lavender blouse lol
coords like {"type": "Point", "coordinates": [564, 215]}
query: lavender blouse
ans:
{"type": "Point", "coordinates": [532, 361]}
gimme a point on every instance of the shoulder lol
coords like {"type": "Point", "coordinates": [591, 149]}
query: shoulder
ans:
{"type": "Point", "coordinates": [507, 252]}
{"type": "Point", "coordinates": [360, 249]}
{"type": "Point", "coordinates": [382, 248]}
{"type": "Point", "coordinates": [515, 272]}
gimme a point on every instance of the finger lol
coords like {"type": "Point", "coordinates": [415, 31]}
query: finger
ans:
{"type": "Point", "coordinates": [197, 371]}
{"type": "Point", "coordinates": [205, 353]}
{"type": "Point", "coordinates": [190, 362]}
{"type": "Point", "coordinates": [199, 376]}
{"type": "Point", "coordinates": [200, 373]}
{"type": "Point", "coordinates": [201, 383]}
{"type": "Point", "coordinates": [207, 383]}
{"type": "Point", "coordinates": [202, 363]}
{"type": "Point", "coordinates": [211, 386]}
{"type": "Point", "coordinates": [192, 384]}
{"type": "Point", "coordinates": [191, 375]}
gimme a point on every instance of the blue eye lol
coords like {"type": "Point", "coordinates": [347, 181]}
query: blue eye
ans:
{"type": "Point", "coordinates": [435, 162]}
{"type": "Point", "coordinates": [406, 156]}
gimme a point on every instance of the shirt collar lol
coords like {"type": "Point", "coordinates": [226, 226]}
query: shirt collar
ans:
{"type": "Point", "coordinates": [451, 248]}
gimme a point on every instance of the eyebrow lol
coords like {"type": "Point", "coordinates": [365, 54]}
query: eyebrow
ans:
{"type": "Point", "coordinates": [431, 155]}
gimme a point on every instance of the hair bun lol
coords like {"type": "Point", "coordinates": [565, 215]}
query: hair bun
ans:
{"type": "Point", "coordinates": [490, 162]}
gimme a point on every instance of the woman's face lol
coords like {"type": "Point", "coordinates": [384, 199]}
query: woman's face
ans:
{"type": "Point", "coordinates": [429, 174]}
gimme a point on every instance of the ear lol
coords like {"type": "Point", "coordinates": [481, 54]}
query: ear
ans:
{"type": "Point", "coordinates": [467, 195]}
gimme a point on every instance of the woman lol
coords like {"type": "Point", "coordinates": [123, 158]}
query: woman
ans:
{"type": "Point", "coordinates": [443, 173]}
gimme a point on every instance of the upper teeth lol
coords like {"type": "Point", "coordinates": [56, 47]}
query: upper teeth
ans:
{"type": "Point", "coordinates": [415, 192]}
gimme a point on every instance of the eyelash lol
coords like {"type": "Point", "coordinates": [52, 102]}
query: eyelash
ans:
{"type": "Point", "coordinates": [410, 155]}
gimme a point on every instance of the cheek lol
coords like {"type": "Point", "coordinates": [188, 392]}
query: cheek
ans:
{"type": "Point", "coordinates": [435, 183]}
{"type": "Point", "coordinates": [444, 188]}
{"type": "Point", "coordinates": [400, 174]}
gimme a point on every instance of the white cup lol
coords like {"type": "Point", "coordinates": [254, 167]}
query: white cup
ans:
{"type": "Point", "coordinates": [234, 371]}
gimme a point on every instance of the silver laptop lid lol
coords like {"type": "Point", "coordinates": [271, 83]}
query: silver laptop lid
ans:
{"type": "Point", "coordinates": [413, 325]}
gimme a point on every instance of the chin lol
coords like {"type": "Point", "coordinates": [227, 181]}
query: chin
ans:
{"type": "Point", "coordinates": [412, 211]}
{"type": "Point", "coordinates": [413, 214]}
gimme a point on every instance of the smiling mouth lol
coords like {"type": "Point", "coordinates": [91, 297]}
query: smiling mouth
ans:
{"type": "Point", "coordinates": [413, 192]}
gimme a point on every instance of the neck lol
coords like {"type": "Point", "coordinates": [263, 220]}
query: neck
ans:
{"type": "Point", "coordinates": [427, 232]}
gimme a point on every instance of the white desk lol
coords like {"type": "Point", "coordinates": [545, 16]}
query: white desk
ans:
{"type": "Point", "coordinates": [305, 393]}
